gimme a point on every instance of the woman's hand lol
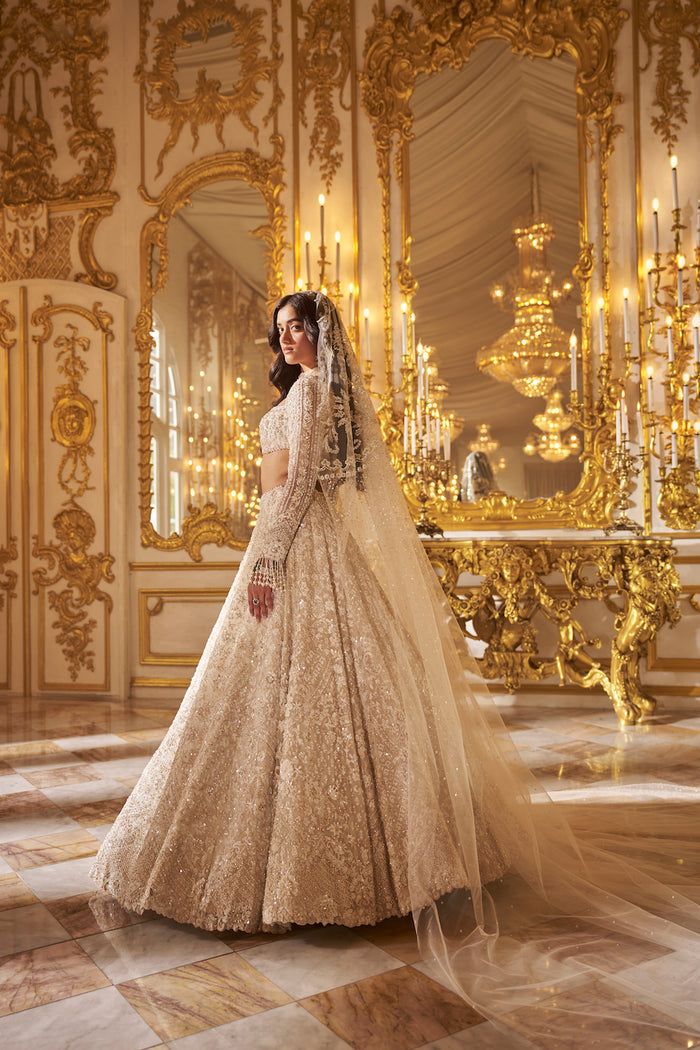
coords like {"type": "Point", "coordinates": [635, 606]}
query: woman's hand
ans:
{"type": "Point", "coordinates": [260, 600]}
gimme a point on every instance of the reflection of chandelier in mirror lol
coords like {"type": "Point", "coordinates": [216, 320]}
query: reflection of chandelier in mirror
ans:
{"type": "Point", "coordinates": [487, 443]}
{"type": "Point", "coordinates": [242, 456]}
{"type": "Point", "coordinates": [534, 352]}
{"type": "Point", "coordinates": [549, 444]}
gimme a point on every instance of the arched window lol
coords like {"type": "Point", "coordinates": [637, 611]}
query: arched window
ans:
{"type": "Point", "coordinates": [166, 435]}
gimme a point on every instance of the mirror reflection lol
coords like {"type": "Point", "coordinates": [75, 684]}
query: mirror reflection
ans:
{"type": "Point", "coordinates": [495, 240]}
{"type": "Point", "coordinates": [210, 360]}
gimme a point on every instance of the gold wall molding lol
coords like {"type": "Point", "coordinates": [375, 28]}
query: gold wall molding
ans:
{"type": "Point", "coordinates": [73, 576]}
{"type": "Point", "coordinates": [408, 43]}
{"type": "Point", "coordinates": [257, 60]}
{"type": "Point", "coordinates": [206, 524]}
{"type": "Point", "coordinates": [664, 27]}
{"type": "Point", "coordinates": [634, 579]}
{"type": "Point", "coordinates": [324, 57]}
{"type": "Point", "coordinates": [67, 45]}
{"type": "Point", "coordinates": [9, 551]}
{"type": "Point", "coordinates": [152, 602]}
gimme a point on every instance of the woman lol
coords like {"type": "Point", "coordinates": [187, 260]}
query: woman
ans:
{"type": "Point", "coordinates": [337, 759]}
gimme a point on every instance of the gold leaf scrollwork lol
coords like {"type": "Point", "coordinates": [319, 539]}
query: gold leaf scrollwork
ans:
{"type": "Point", "coordinates": [208, 104]}
{"type": "Point", "coordinates": [73, 414]}
{"type": "Point", "coordinates": [9, 552]}
{"type": "Point", "coordinates": [81, 573]}
{"type": "Point", "coordinates": [515, 589]}
{"type": "Point", "coordinates": [324, 70]}
{"type": "Point", "coordinates": [8, 577]}
{"type": "Point", "coordinates": [665, 26]}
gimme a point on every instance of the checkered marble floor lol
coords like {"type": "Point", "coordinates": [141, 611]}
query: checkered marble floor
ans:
{"type": "Point", "coordinates": [69, 980]}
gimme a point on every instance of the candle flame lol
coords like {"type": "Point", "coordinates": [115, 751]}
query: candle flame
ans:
{"type": "Point", "coordinates": [307, 236]}
{"type": "Point", "coordinates": [674, 161]}
{"type": "Point", "coordinates": [650, 372]}
{"type": "Point", "coordinates": [404, 307]}
{"type": "Point", "coordinates": [321, 199]}
{"type": "Point", "coordinates": [601, 303]}
{"type": "Point", "coordinates": [669, 320]}
{"type": "Point", "coordinates": [681, 262]}
{"type": "Point", "coordinates": [686, 378]}
{"type": "Point", "coordinates": [674, 425]}
{"type": "Point", "coordinates": [696, 320]}
{"type": "Point", "coordinates": [696, 426]}
{"type": "Point", "coordinates": [625, 293]}
{"type": "Point", "coordinates": [649, 265]}
{"type": "Point", "coordinates": [573, 341]}
{"type": "Point", "coordinates": [365, 313]}
{"type": "Point", "coordinates": [337, 236]}
{"type": "Point", "coordinates": [300, 283]}
{"type": "Point", "coordinates": [655, 204]}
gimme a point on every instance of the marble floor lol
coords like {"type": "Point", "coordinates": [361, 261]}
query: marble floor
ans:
{"type": "Point", "coordinates": [125, 981]}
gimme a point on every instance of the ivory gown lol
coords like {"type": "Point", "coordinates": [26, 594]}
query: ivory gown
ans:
{"type": "Point", "coordinates": [279, 794]}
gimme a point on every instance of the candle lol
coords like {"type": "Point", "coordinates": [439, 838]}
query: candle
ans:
{"type": "Point", "coordinates": [573, 348]}
{"type": "Point", "coordinates": [601, 325]}
{"type": "Point", "coordinates": [405, 431]}
{"type": "Point", "coordinates": [674, 181]}
{"type": "Point", "coordinates": [404, 329]}
{"type": "Point", "coordinates": [427, 432]}
{"type": "Point", "coordinates": [437, 434]}
{"type": "Point", "coordinates": [447, 441]}
{"type": "Point", "coordinates": [300, 284]}
{"type": "Point", "coordinates": [686, 397]}
{"type": "Point", "coordinates": [368, 347]}
{"type": "Point", "coordinates": [618, 425]}
{"type": "Point", "coordinates": [626, 314]}
{"type": "Point", "coordinates": [662, 451]}
{"type": "Point", "coordinates": [681, 263]}
{"type": "Point", "coordinates": [322, 201]}
{"type": "Point", "coordinates": [640, 427]}
{"type": "Point", "coordinates": [307, 238]}
{"type": "Point", "coordinates": [419, 356]}
{"type": "Point", "coordinates": [655, 216]}
{"type": "Point", "coordinates": [650, 389]}
{"type": "Point", "coordinates": [674, 444]}
{"type": "Point", "coordinates": [351, 305]}
{"type": "Point", "coordinates": [696, 443]}
{"type": "Point", "coordinates": [650, 286]}
{"type": "Point", "coordinates": [337, 256]}
{"type": "Point", "coordinates": [696, 338]}
{"type": "Point", "coordinates": [697, 225]}
{"type": "Point", "coordinates": [669, 339]}
{"type": "Point", "coordinates": [413, 436]}
{"type": "Point", "coordinates": [624, 418]}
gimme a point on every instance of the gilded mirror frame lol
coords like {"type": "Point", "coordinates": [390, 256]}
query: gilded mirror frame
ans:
{"type": "Point", "coordinates": [402, 46]}
{"type": "Point", "coordinates": [206, 524]}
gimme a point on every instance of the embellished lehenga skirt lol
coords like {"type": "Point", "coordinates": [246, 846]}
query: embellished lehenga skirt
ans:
{"type": "Point", "coordinates": [279, 794]}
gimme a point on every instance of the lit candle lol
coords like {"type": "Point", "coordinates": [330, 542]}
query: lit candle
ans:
{"type": "Point", "coordinates": [669, 339]}
{"type": "Point", "coordinates": [618, 424]}
{"type": "Point", "coordinates": [437, 433]}
{"type": "Point", "coordinates": [697, 443]}
{"type": "Point", "coordinates": [662, 451]}
{"type": "Point", "coordinates": [626, 314]}
{"type": "Point", "coordinates": [601, 325]}
{"type": "Point", "coordinates": [404, 328]}
{"type": "Point", "coordinates": [655, 215]}
{"type": "Point", "coordinates": [368, 347]}
{"type": "Point", "coordinates": [405, 431]}
{"type": "Point", "coordinates": [674, 181]}
{"type": "Point", "coordinates": [674, 444]}
{"type": "Point", "coordinates": [420, 371]}
{"type": "Point", "coordinates": [427, 432]}
{"type": "Point", "coordinates": [307, 238]}
{"type": "Point", "coordinates": [686, 397]}
{"type": "Point", "coordinates": [413, 436]}
{"type": "Point", "coordinates": [696, 338]}
{"type": "Point", "coordinates": [573, 348]}
{"type": "Point", "coordinates": [322, 201]}
{"type": "Point", "coordinates": [337, 256]}
{"type": "Point", "coordinates": [640, 427]}
{"type": "Point", "coordinates": [351, 305]}
{"type": "Point", "coordinates": [447, 441]}
{"type": "Point", "coordinates": [650, 286]}
{"type": "Point", "coordinates": [650, 389]}
{"type": "Point", "coordinates": [624, 418]}
{"type": "Point", "coordinates": [300, 284]}
{"type": "Point", "coordinates": [681, 264]}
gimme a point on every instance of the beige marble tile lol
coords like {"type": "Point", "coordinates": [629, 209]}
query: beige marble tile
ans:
{"type": "Point", "coordinates": [150, 947]}
{"type": "Point", "coordinates": [596, 947]}
{"type": "Point", "coordinates": [306, 962]}
{"type": "Point", "coordinates": [94, 912]}
{"type": "Point", "coordinates": [13, 783]}
{"type": "Point", "coordinates": [99, 1020]}
{"type": "Point", "coordinates": [54, 881]}
{"type": "Point", "coordinates": [121, 751]}
{"type": "Point", "coordinates": [29, 814]}
{"type": "Point", "coordinates": [88, 814]}
{"type": "Point", "coordinates": [44, 975]}
{"type": "Point", "coordinates": [28, 927]}
{"type": "Point", "coordinates": [240, 941]}
{"type": "Point", "coordinates": [14, 893]}
{"type": "Point", "coordinates": [392, 1011]}
{"type": "Point", "coordinates": [27, 749]}
{"type": "Point", "coordinates": [484, 1036]}
{"type": "Point", "coordinates": [75, 774]}
{"type": "Point", "coordinates": [156, 734]}
{"type": "Point", "coordinates": [49, 849]}
{"type": "Point", "coordinates": [68, 795]}
{"type": "Point", "coordinates": [88, 741]}
{"type": "Point", "coordinates": [192, 998]}
{"type": "Point", "coordinates": [284, 1028]}
{"type": "Point", "coordinates": [397, 936]}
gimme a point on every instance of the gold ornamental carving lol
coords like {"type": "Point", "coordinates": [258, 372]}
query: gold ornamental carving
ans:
{"type": "Point", "coordinates": [255, 64]}
{"type": "Point", "coordinates": [636, 580]}
{"type": "Point", "coordinates": [80, 575]}
{"type": "Point", "coordinates": [206, 524]}
{"type": "Point", "coordinates": [406, 44]}
{"type": "Point", "coordinates": [8, 551]}
{"type": "Point", "coordinates": [324, 62]}
{"type": "Point", "coordinates": [667, 27]}
{"type": "Point", "coordinates": [73, 576]}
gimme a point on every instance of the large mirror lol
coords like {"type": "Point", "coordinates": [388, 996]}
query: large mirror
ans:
{"type": "Point", "coordinates": [211, 266]}
{"type": "Point", "coordinates": [494, 208]}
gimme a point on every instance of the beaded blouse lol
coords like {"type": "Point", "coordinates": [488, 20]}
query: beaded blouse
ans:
{"type": "Point", "coordinates": [292, 424]}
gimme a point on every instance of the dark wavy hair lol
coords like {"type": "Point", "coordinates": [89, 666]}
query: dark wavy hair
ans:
{"type": "Point", "coordinates": [282, 375]}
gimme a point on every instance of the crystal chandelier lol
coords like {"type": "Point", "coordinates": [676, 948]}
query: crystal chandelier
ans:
{"type": "Point", "coordinates": [549, 443]}
{"type": "Point", "coordinates": [487, 443]}
{"type": "Point", "coordinates": [534, 352]}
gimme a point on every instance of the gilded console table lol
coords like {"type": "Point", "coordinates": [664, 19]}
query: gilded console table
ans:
{"type": "Point", "coordinates": [519, 581]}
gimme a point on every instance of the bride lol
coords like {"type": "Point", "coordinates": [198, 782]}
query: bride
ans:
{"type": "Point", "coordinates": [338, 759]}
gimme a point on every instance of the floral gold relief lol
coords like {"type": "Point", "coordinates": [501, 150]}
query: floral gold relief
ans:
{"type": "Point", "coordinates": [665, 28]}
{"type": "Point", "coordinates": [74, 575]}
{"type": "Point", "coordinates": [636, 580]}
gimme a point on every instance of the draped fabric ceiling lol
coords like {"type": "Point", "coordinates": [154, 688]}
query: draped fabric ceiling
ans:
{"type": "Point", "coordinates": [478, 133]}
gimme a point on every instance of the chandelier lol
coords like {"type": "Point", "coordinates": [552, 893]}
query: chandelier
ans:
{"type": "Point", "coordinates": [534, 352]}
{"type": "Point", "coordinates": [549, 443]}
{"type": "Point", "coordinates": [487, 443]}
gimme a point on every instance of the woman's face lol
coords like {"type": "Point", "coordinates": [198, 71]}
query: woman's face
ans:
{"type": "Point", "coordinates": [294, 342]}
